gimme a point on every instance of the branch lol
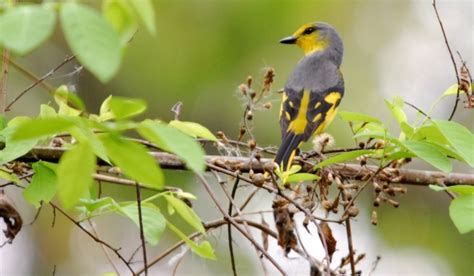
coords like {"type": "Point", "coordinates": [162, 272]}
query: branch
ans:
{"type": "Point", "coordinates": [3, 80]}
{"type": "Point", "coordinates": [243, 164]}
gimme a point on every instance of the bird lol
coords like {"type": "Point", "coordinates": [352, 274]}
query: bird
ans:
{"type": "Point", "coordinates": [313, 91]}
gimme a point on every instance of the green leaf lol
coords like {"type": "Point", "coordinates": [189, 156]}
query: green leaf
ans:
{"type": "Point", "coordinates": [47, 111]}
{"type": "Point", "coordinates": [93, 40]}
{"type": "Point", "coordinates": [172, 140]}
{"type": "Point", "coordinates": [461, 212]}
{"type": "Point", "coordinates": [194, 130]}
{"type": "Point", "coordinates": [397, 109]}
{"type": "Point", "coordinates": [43, 185]}
{"type": "Point", "coordinates": [14, 149]}
{"type": "Point", "coordinates": [11, 177]}
{"type": "Point", "coordinates": [120, 15]}
{"type": "Point", "coordinates": [105, 113]}
{"type": "Point", "coordinates": [407, 129]}
{"type": "Point", "coordinates": [299, 177]}
{"type": "Point", "coordinates": [342, 157]}
{"type": "Point", "coordinates": [358, 117]}
{"type": "Point", "coordinates": [69, 103]}
{"type": "Point", "coordinates": [154, 223]}
{"type": "Point", "coordinates": [459, 137]}
{"type": "Point", "coordinates": [134, 160]}
{"type": "Point", "coordinates": [429, 153]}
{"type": "Point", "coordinates": [93, 207]}
{"type": "Point", "coordinates": [145, 11]}
{"type": "Point", "coordinates": [75, 174]}
{"type": "Point", "coordinates": [452, 90]}
{"type": "Point", "coordinates": [84, 134]}
{"type": "Point", "coordinates": [126, 107]}
{"type": "Point", "coordinates": [460, 189]}
{"type": "Point", "coordinates": [185, 212]}
{"type": "Point", "coordinates": [204, 249]}
{"type": "Point", "coordinates": [41, 127]}
{"type": "Point", "coordinates": [429, 132]}
{"type": "Point", "coordinates": [24, 28]}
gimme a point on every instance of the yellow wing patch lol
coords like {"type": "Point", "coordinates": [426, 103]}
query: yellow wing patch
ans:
{"type": "Point", "coordinates": [332, 98]}
{"type": "Point", "coordinates": [298, 125]}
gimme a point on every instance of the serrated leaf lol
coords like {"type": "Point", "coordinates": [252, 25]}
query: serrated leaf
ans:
{"type": "Point", "coordinates": [134, 161]}
{"type": "Point", "coordinates": [172, 140]}
{"type": "Point", "coordinates": [92, 39]}
{"type": "Point", "coordinates": [120, 15]}
{"type": "Point", "coordinates": [358, 117]}
{"type": "Point", "coordinates": [43, 185]}
{"type": "Point", "coordinates": [459, 137]}
{"type": "Point", "coordinates": [123, 108]}
{"type": "Point", "coordinates": [194, 129]}
{"type": "Point", "coordinates": [24, 28]}
{"type": "Point", "coordinates": [429, 153]}
{"type": "Point", "coordinates": [299, 177]}
{"type": "Point", "coordinates": [460, 189]}
{"type": "Point", "coordinates": [204, 249]}
{"type": "Point", "coordinates": [75, 174]}
{"type": "Point", "coordinates": [41, 127]}
{"type": "Point", "coordinates": [145, 11]}
{"type": "Point", "coordinates": [461, 212]}
{"type": "Point", "coordinates": [154, 223]}
{"type": "Point", "coordinates": [342, 157]}
{"type": "Point", "coordinates": [185, 212]}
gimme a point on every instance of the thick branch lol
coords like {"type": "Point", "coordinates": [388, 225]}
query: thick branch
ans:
{"type": "Point", "coordinates": [353, 171]}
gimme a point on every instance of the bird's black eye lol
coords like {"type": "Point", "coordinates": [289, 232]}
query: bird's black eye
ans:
{"type": "Point", "coordinates": [309, 30]}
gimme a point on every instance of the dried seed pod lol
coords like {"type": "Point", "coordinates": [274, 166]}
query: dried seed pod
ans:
{"type": "Point", "coordinates": [373, 218]}
{"type": "Point", "coordinates": [339, 183]}
{"type": "Point", "coordinates": [347, 195]}
{"type": "Point", "coordinates": [380, 144]}
{"type": "Point", "coordinates": [361, 145]}
{"type": "Point", "coordinates": [267, 105]}
{"type": "Point", "coordinates": [377, 201]}
{"type": "Point", "coordinates": [393, 202]}
{"type": "Point", "coordinates": [221, 135]}
{"type": "Point", "coordinates": [252, 94]}
{"type": "Point", "coordinates": [330, 177]}
{"type": "Point", "coordinates": [402, 190]}
{"type": "Point", "coordinates": [258, 179]}
{"type": "Point", "coordinates": [249, 115]}
{"type": "Point", "coordinates": [251, 144]}
{"type": "Point", "coordinates": [377, 187]}
{"type": "Point", "coordinates": [258, 155]}
{"type": "Point", "coordinates": [353, 211]}
{"type": "Point", "coordinates": [326, 204]}
{"type": "Point", "coordinates": [249, 81]}
{"type": "Point", "coordinates": [243, 89]}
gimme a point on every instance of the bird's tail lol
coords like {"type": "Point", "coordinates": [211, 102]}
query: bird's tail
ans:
{"type": "Point", "coordinates": [287, 150]}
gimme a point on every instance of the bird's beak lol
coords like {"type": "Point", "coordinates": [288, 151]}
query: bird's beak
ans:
{"type": "Point", "coordinates": [288, 40]}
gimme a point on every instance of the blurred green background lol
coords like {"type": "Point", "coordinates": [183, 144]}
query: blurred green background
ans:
{"type": "Point", "coordinates": [202, 51]}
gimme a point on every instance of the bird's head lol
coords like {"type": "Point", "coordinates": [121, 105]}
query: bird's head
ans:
{"type": "Point", "coordinates": [315, 37]}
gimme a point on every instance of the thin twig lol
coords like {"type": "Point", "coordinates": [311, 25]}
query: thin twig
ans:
{"type": "Point", "coordinates": [116, 251]}
{"type": "Point", "coordinates": [235, 224]}
{"type": "Point", "coordinates": [106, 253]}
{"type": "Point", "coordinates": [350, 245]}
{"type": "Point", "coordinates": [452, 59]}
{"type": "Point", "coordinates": [3, 80]}
{"type": "Point", "coordinates": [229, 228]}
{"type": "Point", "coordinates": [417, 109]}
{"type": "Point", "coordinates": [47, 75]}
{"type": "Point", "coordinates": [32, 76]}
{"type": "Point", "coordinates": [140, 220]}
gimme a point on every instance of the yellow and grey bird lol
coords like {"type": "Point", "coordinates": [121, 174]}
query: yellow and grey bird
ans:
{"type": "Point", "coordinates": [314, 89]}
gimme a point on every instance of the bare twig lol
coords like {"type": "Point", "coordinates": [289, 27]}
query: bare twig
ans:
{"type": "Point", "coordinates": [3, 80]}
{"type": "Point", "coordinates": [30, 75]}
{"type": "Point", "coordinates": [214, 162]}
{"type": "Point", "coordinates": [235, 224]}
{"type": "Point", "coordinates": [47, 75]}
{"type": "Point", "coordinates": [106, 253]}
{"type": "Point", "coordinates": [229, 228]}
{"type": "Point", "coordinates": [115, 250]}
{"type": "Point", "coordinates": [417, 109]}
{"type": "Point", "coordinates": [452, 58]}
{"type": "Point", "coordinates": [140, 220]}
